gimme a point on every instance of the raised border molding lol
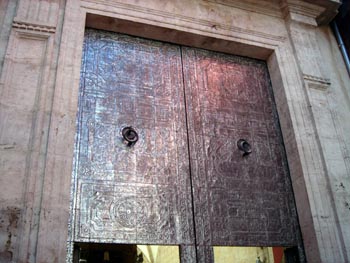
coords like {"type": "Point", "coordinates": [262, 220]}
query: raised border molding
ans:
{"type": "Point", "coordinates": [33, 27]}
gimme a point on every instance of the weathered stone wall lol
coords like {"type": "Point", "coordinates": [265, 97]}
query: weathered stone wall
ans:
{"type": "Point", "coordinates": [26, 107]}
{"type": "Point", "coordinates": [40, 54]}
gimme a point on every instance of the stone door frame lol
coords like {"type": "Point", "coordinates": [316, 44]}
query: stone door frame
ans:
{"type": "Point", "coordinates": [277, 41]}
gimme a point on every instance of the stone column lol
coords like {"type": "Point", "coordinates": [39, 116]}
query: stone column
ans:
{"type": "Point", "coordinates": [26, 95]}
{"type": "Point", "coordinates": [320, 144]}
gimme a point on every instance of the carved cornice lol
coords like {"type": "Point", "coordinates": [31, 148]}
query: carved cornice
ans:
{"type": "Point", "coordinates": [331, 10]}
{"type": "Point", "coordinates": [26, 26]}
{"type": "Point", "coordinates": [322, 11]}
{"type": "Point", "coordinates": [304, 9]}
{"type": "Point", "coordinates": [317, 82]}
{"type": "Point", "coordinates": [310, 12]}
{"type": "Point", "coordinates": [301, 11]}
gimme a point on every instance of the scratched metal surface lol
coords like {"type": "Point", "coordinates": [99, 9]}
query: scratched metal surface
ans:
{"type": "Point", "coordinates": [238, 200]}
{"type": "Point", "coordinates": [139, 194]}
{"type": "Point", "coordinates": [142, 194]}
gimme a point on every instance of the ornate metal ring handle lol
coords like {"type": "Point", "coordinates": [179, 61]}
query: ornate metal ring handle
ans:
{"type": "Point", "coordinates": [130, 135]}
{"type": "Point", "coordinates": [244, 146]}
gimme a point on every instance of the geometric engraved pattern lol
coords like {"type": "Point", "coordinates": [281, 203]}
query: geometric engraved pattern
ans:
{"type": "Point", "coordinates": [238, 200]}
{"type": "Point", "coordinates": [138, 194]}
{"type": "Point", "coordinates": [146, 193]}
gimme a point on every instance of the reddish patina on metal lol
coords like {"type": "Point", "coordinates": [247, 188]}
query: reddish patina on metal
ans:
{"type": "Point", "coordinates": [185, 180]}
{"type": "Point", "coordinates": [240, 198]}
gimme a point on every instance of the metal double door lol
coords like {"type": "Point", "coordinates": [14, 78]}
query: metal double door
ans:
{"type": "Point", "coordinates": [183, 176]}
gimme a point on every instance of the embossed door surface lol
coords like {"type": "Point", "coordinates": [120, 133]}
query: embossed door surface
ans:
{"type": "Point", "coordinates": [239, 200]}
{"type": "Point", "coordinates": [146, 193]}
{"type": "Point", "coordinates": [139, 194]}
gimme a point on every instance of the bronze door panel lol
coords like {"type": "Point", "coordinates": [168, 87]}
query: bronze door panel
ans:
{"type": "Point", "coordinates": [184, 181]}
{"type": "Point", "coordinates": [137, 193]}
{"type": "Point", "coordinates": [239, 199]}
